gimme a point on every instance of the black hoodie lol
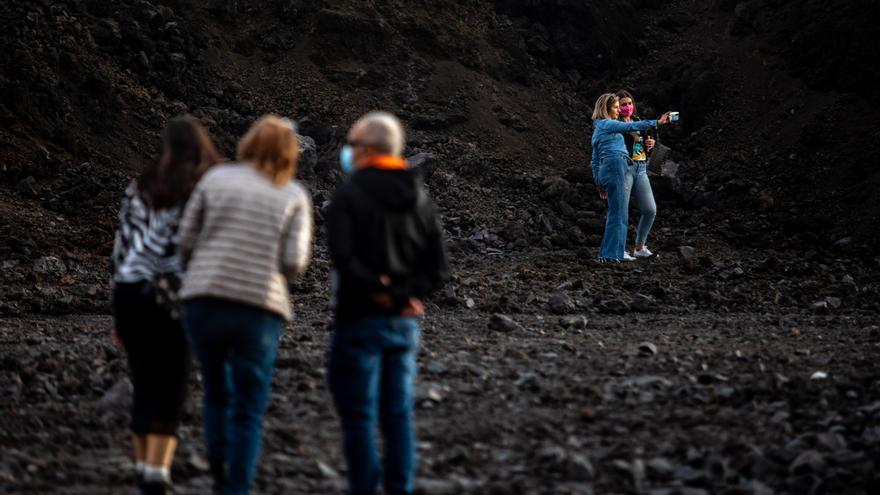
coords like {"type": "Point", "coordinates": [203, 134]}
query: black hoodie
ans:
{"type": "Point", "coordinates": [382, 222]}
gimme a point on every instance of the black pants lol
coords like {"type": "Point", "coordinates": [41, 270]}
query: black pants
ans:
{"type": "Point", "coordinates": [158, 359]}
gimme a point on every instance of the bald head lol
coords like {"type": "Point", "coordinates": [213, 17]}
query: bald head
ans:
{"type": "Point", "coordinates": [380, 132]}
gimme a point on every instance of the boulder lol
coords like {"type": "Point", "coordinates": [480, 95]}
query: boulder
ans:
{"type": "Point", "coordinates": [578, 322]}
{"type": "Point", "coordinates": [502, 323]}
{"type": "Point", "coordinates": [579, 468]}
{"type": "Point", "coordinates": [50, 265]}
{"type": "Point", "coordinates": [560, 303]}
{"type": "Point", "coordinates": [614, 306]}
{"type": "Point", "coordinates": [425, 164]}
{"type": "Point", "coordinates": [308, 155]}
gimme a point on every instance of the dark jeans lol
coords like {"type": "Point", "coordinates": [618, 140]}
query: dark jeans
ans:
{"type": "Point", "coordinates": [641, 189]}
{"type": "Point", "coordinates": [158, 359]}
{"type": "Point", "coordinates": [235, 346]}
{"type": "Point", "coordinates": [371, 368]}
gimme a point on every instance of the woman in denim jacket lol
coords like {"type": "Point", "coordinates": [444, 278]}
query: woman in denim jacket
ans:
{"type": "Point", "coordinates": [610, 163]}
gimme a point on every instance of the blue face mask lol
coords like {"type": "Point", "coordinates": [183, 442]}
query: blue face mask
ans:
{"type": "Point", "coordinates": [346, 160]}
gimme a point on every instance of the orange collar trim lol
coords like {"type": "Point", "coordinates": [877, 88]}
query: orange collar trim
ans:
{"type": "Point", "coordinates": [387, 162]}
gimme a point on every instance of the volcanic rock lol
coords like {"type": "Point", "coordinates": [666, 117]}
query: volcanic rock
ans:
{"type": "Point", "coordinates": [579, 468]}
{"type": "Point", "coordinates": [578, 322]}
{"type": "Point", "coordinates": [821, 308]}
{"type": "Point", "coordinates": [425, 486]}
{"type": "Point", "coordinates": [647, 348]}
{"type": "Point", "coordinates": [50, 265]}
{"type": "Point", "coordinates": [118, 397]}
{"type": "Point", "coordinates": [660, 467]}
{"type": "Point", "coordinates": [809, 461]}
{"type": "Point", "coordinates": [690, 476]}
{"type": "Point", "coordinates": [552, 453]}
{"type": "Point", "coordinates": [198, 462]}
{"type": "Point", "coordinates": [561, 303]}
{"type": "Point", "coordinates": [614, 306]}
{"type": "Point", "coordinates": [308, 155]}
{"type": "Point", "coordinates": [643, 303]}
{"type": "Point", "coordinates": [425, 163]}
{"type": "Point", "coordinates": [28, 187]}
{"type": "Point", "coordinates": [429, 391]}
{"type": "Point", "coordinates": [503, 323]}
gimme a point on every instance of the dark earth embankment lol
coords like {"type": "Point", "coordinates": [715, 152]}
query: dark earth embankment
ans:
{"type": "Point", "coordinates": [691, 372]}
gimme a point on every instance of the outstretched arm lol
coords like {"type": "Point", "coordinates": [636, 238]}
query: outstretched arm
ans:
{"type": "Point", "coordinates": [617, 126]}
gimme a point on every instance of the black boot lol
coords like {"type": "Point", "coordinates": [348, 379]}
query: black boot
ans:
{"type": "Point", "coordinates": [156, 488]}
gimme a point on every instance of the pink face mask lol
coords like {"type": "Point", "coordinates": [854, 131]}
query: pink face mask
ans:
{"type": "Point", "coordinates": [626, 110]}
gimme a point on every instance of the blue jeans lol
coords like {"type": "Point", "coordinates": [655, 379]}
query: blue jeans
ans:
{"type": "Point", "coordinates": [371, 367]}
{"type": "Point", "coordinates": [641, 189]}
{"type": "Point", "coordinates": [235, 346]}
{"type": "Point", "coordinates": [614, 180]}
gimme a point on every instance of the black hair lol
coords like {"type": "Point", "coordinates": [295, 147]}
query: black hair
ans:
{"type": "Point", "coordinates": [186, 153]}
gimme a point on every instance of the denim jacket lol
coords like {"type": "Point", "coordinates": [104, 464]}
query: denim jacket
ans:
{"type": "Point", "coordinates": [608, 139]}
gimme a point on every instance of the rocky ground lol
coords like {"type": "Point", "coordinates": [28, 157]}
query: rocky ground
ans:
{"type": "Point", "coordinates": [742, 359]}
{"type": "Point", "coordinates": [583, 384]}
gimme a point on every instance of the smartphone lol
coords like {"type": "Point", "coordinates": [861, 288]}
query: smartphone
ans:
{"type": "Point", "coordinates": [673, 116]}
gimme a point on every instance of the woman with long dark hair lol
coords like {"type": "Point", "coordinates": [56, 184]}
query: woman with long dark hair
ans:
{"type": "Point", "coordinates": [146, 272]}
{"type": "Point", "coordinates": [610, 164]}
{"type": "Point", "coordinates": [639, 144]}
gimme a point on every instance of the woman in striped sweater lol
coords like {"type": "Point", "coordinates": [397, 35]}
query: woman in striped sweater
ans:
{"type": "Point", "coordinates": [246, 231]}
{"type": "Point", "coordinates": [146, 268]}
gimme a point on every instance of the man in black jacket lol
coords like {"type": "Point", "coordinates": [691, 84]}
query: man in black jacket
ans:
{"type": "Point", "coordinates": [386, 245]}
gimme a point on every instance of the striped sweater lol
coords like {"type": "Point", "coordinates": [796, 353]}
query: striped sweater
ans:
{"type": "Point", "coordinates": [242, 238]}
{"type": "Point", "coordinates": [146, 240]}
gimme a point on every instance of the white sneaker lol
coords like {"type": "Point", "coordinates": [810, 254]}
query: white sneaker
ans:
{"type": "Point", "coordinates": [627, 257]}
{"type": "Point", "coordinates": [643, 253]}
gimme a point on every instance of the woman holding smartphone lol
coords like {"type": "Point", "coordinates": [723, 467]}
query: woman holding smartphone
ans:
{"type": "Point", "coordinates": [610, 165]}
{"type": "Point", "coordinates": [638, 145]}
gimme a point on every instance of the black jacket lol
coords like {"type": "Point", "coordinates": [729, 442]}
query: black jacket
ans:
{"type": "Point", "coordinates": [383, 222]}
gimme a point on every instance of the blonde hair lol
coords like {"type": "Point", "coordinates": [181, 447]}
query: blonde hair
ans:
{"type": "Point", "coordinates": [272, 147]}
{"type": "Point", "coordinates": [603, 106]}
